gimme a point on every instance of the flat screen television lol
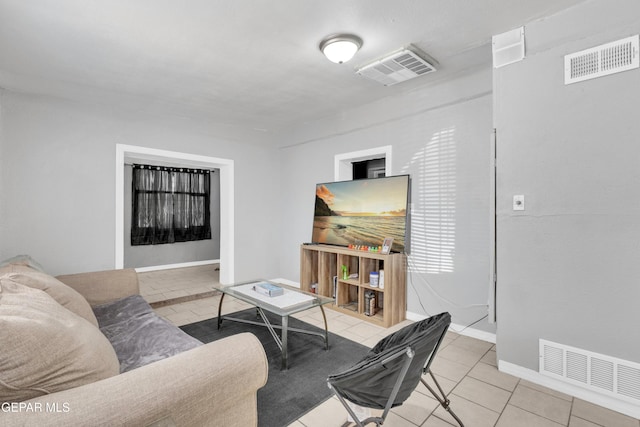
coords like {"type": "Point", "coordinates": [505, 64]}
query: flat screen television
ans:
{"type": "Point", "coordinates": [362, 212]}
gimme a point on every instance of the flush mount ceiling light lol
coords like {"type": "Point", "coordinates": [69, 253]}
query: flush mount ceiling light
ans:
{"type": "Point", "coordinates": [341, 47]}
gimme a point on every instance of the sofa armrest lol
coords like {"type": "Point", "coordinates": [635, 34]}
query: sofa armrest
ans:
{"type": "Point", "coordinates": [100, 287]}
{"type": "Point", "coordinates": [214, 384]}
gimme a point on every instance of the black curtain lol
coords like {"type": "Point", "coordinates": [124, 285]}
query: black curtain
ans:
{"type": "Point", "coordinates": [169, 205]}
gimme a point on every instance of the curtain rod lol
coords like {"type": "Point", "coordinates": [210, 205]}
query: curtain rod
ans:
{"type": "Point", "coordinates": [173, 167]}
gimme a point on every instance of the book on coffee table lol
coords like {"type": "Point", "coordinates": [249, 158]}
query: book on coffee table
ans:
{"type": "Point", "coordinates": [268, 289]}
{"type": "Point", "coordinates": [288, 300]}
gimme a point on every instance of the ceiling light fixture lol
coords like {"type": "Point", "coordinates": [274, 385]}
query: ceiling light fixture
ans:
{"type": "Point", "coordinates": [341, 47]}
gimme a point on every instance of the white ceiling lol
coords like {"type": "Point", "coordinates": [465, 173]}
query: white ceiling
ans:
{"type": "Point", "coordinates": [247, 63]}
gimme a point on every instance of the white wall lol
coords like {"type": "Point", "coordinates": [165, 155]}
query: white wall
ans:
{"type": "Point", "coordinates": [440, 136]}
{"type": "Point", "coordinates": [59, 161]}
{"type": "Point", "coordinates": [568, 267]}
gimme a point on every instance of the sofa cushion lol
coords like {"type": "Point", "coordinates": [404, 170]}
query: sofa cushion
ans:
{"type": "Point", "coordinates": [63, 294]}
{"type": "Point", "coordinates": [45, 347]}
{"type": "Point", "coordinates": [138, 335]}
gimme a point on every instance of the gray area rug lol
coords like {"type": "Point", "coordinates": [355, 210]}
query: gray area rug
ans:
{"type": "Point", "coordinates": [288, 394]}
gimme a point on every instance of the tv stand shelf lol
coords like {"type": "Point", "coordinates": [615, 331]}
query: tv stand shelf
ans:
{"type": "Point", "coordinates": [321, 270]}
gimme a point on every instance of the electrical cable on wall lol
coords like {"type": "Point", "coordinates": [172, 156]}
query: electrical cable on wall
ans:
{"type": "Point", "coordinates": [411, 268]}
{"type": "Point", "coordinates": [469, 325]}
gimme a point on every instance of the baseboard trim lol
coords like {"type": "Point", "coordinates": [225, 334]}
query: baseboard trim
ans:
{"type": "Point", "coordinates": [179, 265]}
{"type": "Point", "coordinates": [459, 329]}
{"type": "Point", "coordinates": [608, 402]}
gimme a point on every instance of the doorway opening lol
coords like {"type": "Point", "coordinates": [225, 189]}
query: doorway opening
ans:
{"type": "Point", "coordinates": [374, 168]}
{"type": "Point", "coordinates": [380, 158]}
{"type": "Point", "coordinates": [130, 153]}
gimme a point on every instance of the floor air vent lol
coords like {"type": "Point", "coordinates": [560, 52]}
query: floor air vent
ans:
{"type": "Point", "coordinates": [604, 374]}
{"type": "Point", "coordinates": [610, 58]}
{"type": "Point", "coordinates": [397, 67]}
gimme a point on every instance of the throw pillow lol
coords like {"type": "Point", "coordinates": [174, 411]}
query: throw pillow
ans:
{"type": "Point", "coordinates": [16, 268]}
{"type": "Point", "coordinates": [23, 260]}
{"type": "Point", "coordinates": [63, 294]}
{"type": "Point", "coordinates": [45, 347]}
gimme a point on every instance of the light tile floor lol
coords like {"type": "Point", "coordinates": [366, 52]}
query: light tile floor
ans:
{"type": "Point", "coordinates": [465, 367]}
{"type": "Point", "coordinates": [179, 282]}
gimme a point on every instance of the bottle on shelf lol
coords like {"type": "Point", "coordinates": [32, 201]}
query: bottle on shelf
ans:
{"type": "Point", "coordinates": [374, 279]}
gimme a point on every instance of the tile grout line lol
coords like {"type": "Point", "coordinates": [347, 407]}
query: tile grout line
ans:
{"type": "Point", "coordinates": [467, 375]}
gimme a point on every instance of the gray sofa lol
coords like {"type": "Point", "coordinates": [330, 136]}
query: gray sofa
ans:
{"type": "Point", "coordinates": [71, 361]}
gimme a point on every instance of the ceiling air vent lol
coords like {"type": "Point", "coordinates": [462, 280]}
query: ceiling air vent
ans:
{"type": "Point", "coordinates": [610, 58]}
{"type": "Point", "coordinates": [397, 67]}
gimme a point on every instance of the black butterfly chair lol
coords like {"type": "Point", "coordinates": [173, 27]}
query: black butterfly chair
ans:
{"type": "Point", "coordinates": [391, 370]}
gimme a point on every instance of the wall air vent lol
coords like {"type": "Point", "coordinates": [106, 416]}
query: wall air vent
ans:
{"type": "Point", "coordinates": [610, 58]}
{"type": "Point", "coordinates": [398, 67]}
{"type": "Point", "coordinates": [597, 372]}
{"type": "Point", "coordinates": [508, 47]}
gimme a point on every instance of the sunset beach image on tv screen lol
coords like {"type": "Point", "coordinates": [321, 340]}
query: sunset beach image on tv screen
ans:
{"type": "Point", "coordinates": [362, 212]}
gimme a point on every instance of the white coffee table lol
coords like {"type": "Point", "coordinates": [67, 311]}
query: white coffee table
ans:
{"type": "Point", "coordinates": [292, 301]}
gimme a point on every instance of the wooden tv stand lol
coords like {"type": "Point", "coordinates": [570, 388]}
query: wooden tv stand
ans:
{"type": "Point", "coordinates": [320, 264]}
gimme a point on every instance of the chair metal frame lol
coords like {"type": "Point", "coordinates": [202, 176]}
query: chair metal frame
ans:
{"type": "Point", "coordinates": [409, 353]}
{"type": "Point", "coordinates": [442, 398]}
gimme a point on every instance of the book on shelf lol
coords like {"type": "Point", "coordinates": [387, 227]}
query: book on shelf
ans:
{"type": "Point", "coordinates": [268, 289]}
